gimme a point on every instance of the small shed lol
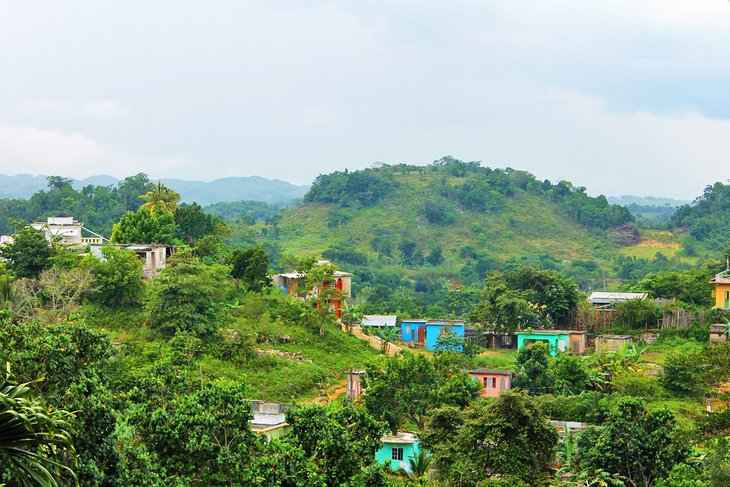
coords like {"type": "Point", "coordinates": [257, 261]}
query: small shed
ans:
{"type": "Point", "coordinates": [379, 321]}
{"type": "Point", "coordinates": [612, 343]}
{"type": "Point", "coordinates": [559, 340]}
{"type": "Point", "coordinates": [269, 419]}
{"type": "Point", "coordinates": [354, 384]}
{"type": "Point", "coordinates": [494, 381]}
{"type": "Point", "coordinates": [718, 332]}
{"type": "Point", "coordinates": [398, 449]}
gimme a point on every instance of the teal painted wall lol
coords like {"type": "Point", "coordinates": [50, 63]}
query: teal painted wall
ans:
{"type": "Point", "coordinates": [386, 453]}
{"type": "Point", "coordinates": [557, 343]}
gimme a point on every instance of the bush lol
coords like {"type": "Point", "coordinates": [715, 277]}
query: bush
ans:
{"type": "Point", "coordinates": [636, 383]}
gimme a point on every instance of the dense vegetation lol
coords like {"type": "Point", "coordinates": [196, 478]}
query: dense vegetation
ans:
{"type": "Point", "coordinates": [124, 381]}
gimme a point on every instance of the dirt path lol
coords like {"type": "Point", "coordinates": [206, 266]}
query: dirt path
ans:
{"type": "Point", "coordinates": [374, 341]}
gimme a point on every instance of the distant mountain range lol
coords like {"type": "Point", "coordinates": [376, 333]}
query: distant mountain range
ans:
{"type": "Point", "coordinates": [252, 188]}
{"type": "Point", "coordinates": [628, 199]}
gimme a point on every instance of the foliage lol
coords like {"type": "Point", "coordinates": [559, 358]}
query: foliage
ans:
{"type": "Point", "coordinates": [147, 226]}
{"type": "Point", "coordinates": [29, 254]}
{"type": "Point", "coordinates": [250, 266]}
{"type": "Point", "coordinates": [193, 224]}
{"type": "Point", "coordinates": [509, 437]}
{"type": "Point", "coordinates": [569, 374]}
{"type": "Point", "coordinates": [638, 445]}
{"type": "Point", "coordinates": [358, 188]}
{"type": "Point", "coordinates": [189, 296]}
{"type": "Point", "coordinates": [160, 196]}
{"type": "Point", "coordinates": [407, 386]}
{"type": "Point", "coordinates": [524, 297]}
{"type": "Point", "coordinates": [339, 440]}
{"type": "Point", "coordinates": [118, 277]}
{"type": "Point", "coordinates": [688, 286]}
{"type": "Point", "coordinates": [531, 366]}
{"type": "Point", "coordinates": [56, 293]}
{"type": "Point", "coordinates": [695, 372]}
{"type": "Point", "coordinates": [636, 313]}
{"type": "Point", "coordinates": [706, 217]}
{"type": "Point", "coordinates": [200, 436]}
{"type": "Point", "coordinates": [35, 440]}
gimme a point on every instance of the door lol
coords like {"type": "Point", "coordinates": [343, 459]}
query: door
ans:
{"type": "Point", "coordinates": [727, 300]}
{"type": "Point", "coordinates": [421, 334]}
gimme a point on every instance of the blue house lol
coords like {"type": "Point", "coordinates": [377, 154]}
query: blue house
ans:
{"type": "Point", "coordinates": [425, 333]}
{"type": "Point", "coordinates": [398, 449]}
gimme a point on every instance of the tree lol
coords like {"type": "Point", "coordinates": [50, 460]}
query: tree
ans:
{"type": "Point", "coordinates": [405, 387]}
{"type": "Point", "coordinates": [638, 445]}
{"type": "Point", "coordinates": [526, 296]}
{"type": "Point", "coordinates": [147, 226]}
{"type": "Point", "coordinates": [189, 296]}
{"type": "Point", "coordinates": [193, 224]}
{"type": "Point", "coordinates": [118, 277]}
{"type": "Point", "coordinates": [569, 374]}
{"type": "Point", "coordinates": [35, 440]}
{"type": "Point", "coordinates": [56, 293]}
{"type": "Point", "coordinates": [531, 368]}
{"type": "Point", "coordinates": [160, 197]}
{"type": "Point", "coordinates": [29, 254]}
{"type": "Point", "coordinates": [509, 438]}
{"type": "Point", "coordinates": [201, 437]}
{"type": "Point", "coordinates": [339, 440]}
{"type": "Point", "coordinates": [250, 266]}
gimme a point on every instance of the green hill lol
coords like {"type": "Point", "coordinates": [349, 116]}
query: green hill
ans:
{"type": "Point", "coordinates": [416, 228]}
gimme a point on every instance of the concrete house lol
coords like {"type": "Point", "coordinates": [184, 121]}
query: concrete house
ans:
{"type": "Point", "coordinates": [490, 338]}
{"type": "Point", "coordinates": [493, 381]}
{"type": "Point", "coordinates": [398, 449]}
{"type": "Point", "coordinates": [289, 283]}
{"type": "Point", "coordinates": [425, 333]}
{"type": "Point", "coordinates": [559, 340]}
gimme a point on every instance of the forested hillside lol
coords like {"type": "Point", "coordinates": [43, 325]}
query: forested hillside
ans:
{"type": "Point", "coordinates": [706, 219]}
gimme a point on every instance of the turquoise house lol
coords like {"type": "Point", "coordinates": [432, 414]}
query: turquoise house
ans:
{"type": "Point", "coordinates": [559, 340]}
{"type": "Point", "coordinates": [424, 333]}
{"type": "Point", "coordinates": [398, 449]}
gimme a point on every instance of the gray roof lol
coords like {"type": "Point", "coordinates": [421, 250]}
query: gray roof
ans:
{"type": "Point", "coordinates": [379, 320]}
{"type": "Point", "coordinates": [608, 297]}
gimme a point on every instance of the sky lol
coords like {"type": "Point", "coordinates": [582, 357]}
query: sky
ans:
{"type": "Point", "coordinates": [622, 97]}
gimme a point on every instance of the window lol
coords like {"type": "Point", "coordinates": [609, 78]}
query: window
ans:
{"type": "Point", "coordinates": [490, 382]}
{"type": "Point", "coordinates": [408, 329]}
{"type": "Point", "coordinates": [397, 454]}
{"type": "Point", "coordinates": [501, 384]}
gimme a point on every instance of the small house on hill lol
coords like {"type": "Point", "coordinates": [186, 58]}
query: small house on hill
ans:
{"type": "Point", "coordinates": [607, 300]}
{"type": "Point", "coordinates": [341, 281]}
{"type": "Point", "coordinates": [379, 321]}
{"type": "Point", "coordinates": [559, 340]}
{"type": "Point", "coordinates": [718, 332]}
{"type": "Point", "coordinates": [494, 381]}
{"type": "Point", "coordinates": [721, 289]}
{"type": "Point", "coordinates": [425, 333]}
{"type": "Point", "coordinates": [398, 449]}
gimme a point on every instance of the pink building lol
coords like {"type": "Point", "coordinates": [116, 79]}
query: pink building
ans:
{"type": "Point", "coordinates": [494, 381]}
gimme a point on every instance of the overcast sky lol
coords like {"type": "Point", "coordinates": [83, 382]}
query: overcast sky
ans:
{"type": "Point", "coordinates": [620, 96]}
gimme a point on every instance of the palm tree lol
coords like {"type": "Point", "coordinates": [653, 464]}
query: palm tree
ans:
{"type": "Point", "coordinates": [33, 439]}
{"type": "Point", "coordinates": [419, 464]}
{"type": "Point", "coordinates": [161, 196]}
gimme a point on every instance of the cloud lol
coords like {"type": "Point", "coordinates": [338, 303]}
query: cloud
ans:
{"type": "Point", "coordinates": [26, 149]}
{"type": "Point", "coordinates": [97, 110]}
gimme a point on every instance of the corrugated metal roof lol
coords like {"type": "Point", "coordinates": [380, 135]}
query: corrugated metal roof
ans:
{"type": "Point", "coordinates": [379, 320]}
{"type": "Point", "coordinates": [610, 297]}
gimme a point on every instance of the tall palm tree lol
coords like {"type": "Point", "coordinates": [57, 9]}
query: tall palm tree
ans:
{"type": "Point", "coordinates": [162, 196]}
{"type": "Point", "coordinates": [33, 439]}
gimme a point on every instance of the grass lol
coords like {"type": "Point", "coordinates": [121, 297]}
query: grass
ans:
{"type": "Point", "coordinates": [658, 242]}
{"type": "Point", "coordinates": [497, 359]}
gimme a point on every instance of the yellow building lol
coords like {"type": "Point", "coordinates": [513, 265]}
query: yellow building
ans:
{"type": "Point", "coordinates": [721, 290]}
